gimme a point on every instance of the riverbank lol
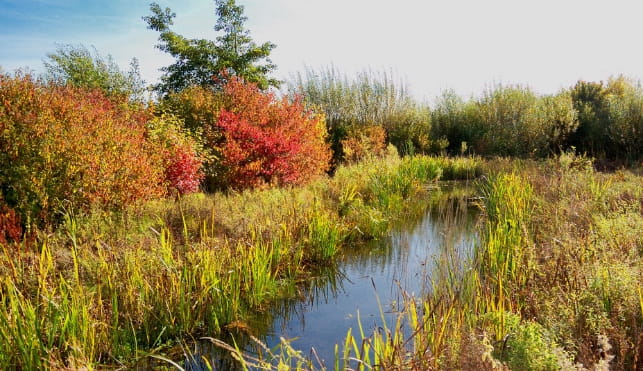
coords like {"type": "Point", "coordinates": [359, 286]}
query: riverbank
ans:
{"type": "Point", "coordinates": [556, 282]}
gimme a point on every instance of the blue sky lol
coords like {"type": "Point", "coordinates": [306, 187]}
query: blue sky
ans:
{"type": "Point", "coordinates": [435, 44]}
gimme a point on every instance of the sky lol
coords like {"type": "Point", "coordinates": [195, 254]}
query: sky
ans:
{"type": "Point", "coordinates": [464, 45]}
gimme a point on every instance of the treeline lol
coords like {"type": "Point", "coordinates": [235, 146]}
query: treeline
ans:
{"type": "Point", "coordinates": [67, 142]}
{"type": "Point", "coordinates": [363, 113]}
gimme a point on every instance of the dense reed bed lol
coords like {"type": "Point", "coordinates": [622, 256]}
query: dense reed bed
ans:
{"type": "Point", "coordinates": [110, 289]}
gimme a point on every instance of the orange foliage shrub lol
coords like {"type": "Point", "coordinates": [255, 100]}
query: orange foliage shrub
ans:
{"type": "Point", "coordinates": [265, 140]}
{"type": "Point", "coordinates": [364, 142]}
{"type": "Point", "coordinates": [64, 143]}
{"type": "Point", "coordinates": [10, 226]}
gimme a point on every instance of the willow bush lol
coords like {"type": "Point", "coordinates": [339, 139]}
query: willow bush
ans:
{"type": "Point", "coordinates": [370, 99]}
{"type": "Point", "coordinates": [506, 120]}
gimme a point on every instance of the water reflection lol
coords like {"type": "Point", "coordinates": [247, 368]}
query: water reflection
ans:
{"type": "Point", "coordinates": [375, 278]}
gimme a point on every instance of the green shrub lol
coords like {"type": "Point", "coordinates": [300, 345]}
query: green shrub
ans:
{"type": "Point", "coordinates": [625, 118]}
{"type": "Point", "coordinates": [78, 66]}
{"type": "Point", "coordinates": [503, 111]}
{"type": "Point", "coordinates": [506, 120]}
{"type": "Point", "coordinates": [456, 120]}
{"type": "Point", "coordinates": [528, 346]}
{"type": "Point", "coordinates": [610, 118]}
{"type": "Point", "coordinates": [549, 124]}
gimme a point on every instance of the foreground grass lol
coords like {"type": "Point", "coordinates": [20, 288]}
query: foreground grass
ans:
{"type": "Point", "coordinates": [111, 289]}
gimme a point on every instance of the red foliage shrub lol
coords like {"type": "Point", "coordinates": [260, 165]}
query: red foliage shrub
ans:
{"type": "Point", "coordinates": [184, 171]}
{"type": "Point", "coordinates": [181, 157]}
{"type": "Point", "coordinates": [268, 141]}
{"type": "Point", "coordinates": [197, 109]}
{"type": "Point", "coordinates": [64, 143]}
{"type": "Point", "coordinates": [10, 226]}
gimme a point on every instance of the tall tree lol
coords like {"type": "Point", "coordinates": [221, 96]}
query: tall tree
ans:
{"type": "Point", "coordinates": [210, 63]}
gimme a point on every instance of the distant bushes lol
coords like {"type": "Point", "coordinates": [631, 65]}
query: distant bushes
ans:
{"type": "Point", "coordinates": [354, 107]}
{"type": "Point", "coordinates": [508, 121]}
{"type": "Point", "coordinates": [604, 121]}
{"type": "Point", "coordinates": [610, 118]}
{"type": "Point", "coordinates": [60, 143]}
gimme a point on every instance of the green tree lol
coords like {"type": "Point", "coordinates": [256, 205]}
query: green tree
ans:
{"type": "Point", "coordinates": [78, 66]}
{"type": "Point", "coordinates": [209, 63]}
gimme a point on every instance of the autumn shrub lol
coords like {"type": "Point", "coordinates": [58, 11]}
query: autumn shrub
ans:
{"type": "Point", "coordinates": [265, 140]}
{"type": "Point", "coordinates": [369, 141]}
{"type": "Point", "coordinates": [198, 109]}
{"type": "Point", "coordinates": [10, 224]}
{"type": "Point", "coordinates": [181, 152]}
{"type": "Point", "coordinates": [183, 171]}
{"type": "Point", "coordinates": [60, 143]}
{"type": "Point", "coordinates": [197, 106]}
